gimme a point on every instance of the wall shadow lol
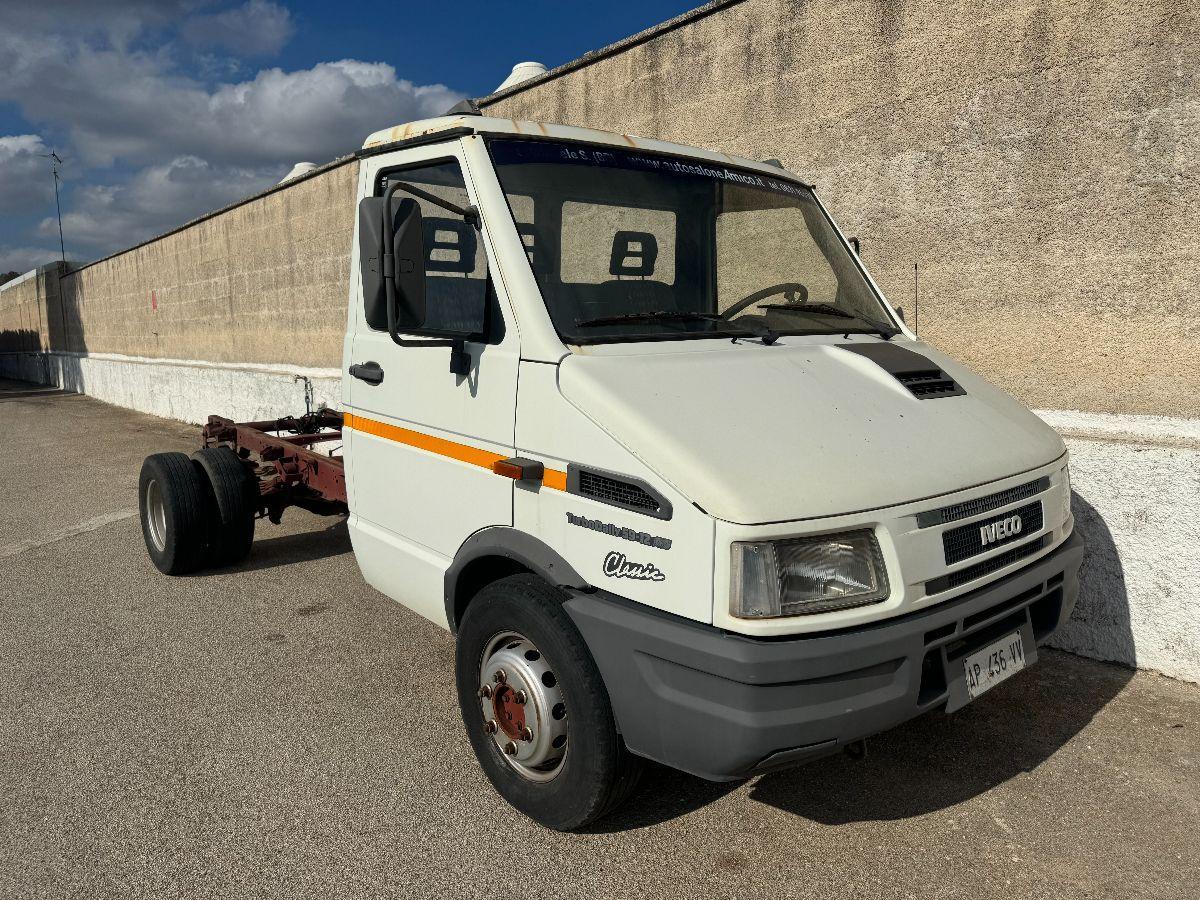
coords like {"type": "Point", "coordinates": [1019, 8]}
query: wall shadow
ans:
{"type": "Point", "coordinates": [23, 340]}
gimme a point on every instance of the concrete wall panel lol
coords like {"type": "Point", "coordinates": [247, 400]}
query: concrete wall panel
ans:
{"type": "Point", "coordinates": [265, 282]}
{"type": "Point", "coordinates": [1038, 160]}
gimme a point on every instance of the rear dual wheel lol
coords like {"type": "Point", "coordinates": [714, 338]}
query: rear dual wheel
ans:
{"type": "Point", "coordinates": [197, 511]}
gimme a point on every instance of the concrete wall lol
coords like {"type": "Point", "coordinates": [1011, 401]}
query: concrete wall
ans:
{"type": "Point", "coordinates": [263, 282]}
{"type": "Point", "coordinates": [1037, 159]}
{"type": "Point", "coordinates": [234, 313]}
{"type": "Point", "coordinates": [25, 306]}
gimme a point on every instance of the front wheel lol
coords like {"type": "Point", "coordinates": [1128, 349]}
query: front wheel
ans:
{"type": "Point", "coordinates": [536, 709]}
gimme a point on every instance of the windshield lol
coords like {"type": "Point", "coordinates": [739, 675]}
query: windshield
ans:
{"type": "Point", "coordinates": [626, 245]}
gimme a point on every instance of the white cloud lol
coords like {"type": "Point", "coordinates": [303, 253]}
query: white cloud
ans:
{"type": "Point", "coordinates": [22, 259]}
{"type": "Point", "coordinates": [133, 106]}
{"type": "Point", "coordinates": [25, 179]}
{"type": "Point", "coordinates": [117, 20]}
{"type": "Point", "coordinates": [259, 28]}
{"type": "Point", "coordinates": [154, 200]}
{"type": "Point", "coordinates": [191, 142]}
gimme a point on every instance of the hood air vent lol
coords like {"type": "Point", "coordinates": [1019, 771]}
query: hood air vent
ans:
{"type": "Point", "coordinates": [922, 378]}
{"type": "Point", "coordinates": [933, 383]}
{"type": "Point", "coordinates": [621, 491]}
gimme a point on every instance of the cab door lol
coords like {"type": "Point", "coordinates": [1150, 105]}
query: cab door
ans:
{"type": "Point", "coordinates": [421, 440]}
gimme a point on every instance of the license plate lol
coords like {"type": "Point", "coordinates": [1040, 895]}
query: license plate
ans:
{"type": "Point", "coordinates": [997, 661]}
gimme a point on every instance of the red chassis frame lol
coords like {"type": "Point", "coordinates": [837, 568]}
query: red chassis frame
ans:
{"type": "Point", "coordinates": [289, 472]}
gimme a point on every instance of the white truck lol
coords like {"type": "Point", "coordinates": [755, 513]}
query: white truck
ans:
{"type": "Point", "coordinates": [633, 422]}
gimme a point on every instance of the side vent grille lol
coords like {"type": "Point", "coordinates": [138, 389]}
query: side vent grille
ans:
{"type": "Point", "coordinates": [616, 490]}
{"type": "Point", "coordinates": [609, 490]}
{"type": "Point", "coordinates": [929, 384]}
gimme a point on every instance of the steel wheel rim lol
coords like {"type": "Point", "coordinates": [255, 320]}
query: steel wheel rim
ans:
{"type": "Point", "coordinates": [523, 708]}
{"type": "Point", "coordinates": [156, 516]}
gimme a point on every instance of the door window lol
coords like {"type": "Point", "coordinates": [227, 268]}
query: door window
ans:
{"type": "Point", "coordinates": [456, 275]}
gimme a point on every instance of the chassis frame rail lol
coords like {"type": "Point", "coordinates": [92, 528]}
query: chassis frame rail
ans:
{"type": "Point", "coordinates": [279, 454]}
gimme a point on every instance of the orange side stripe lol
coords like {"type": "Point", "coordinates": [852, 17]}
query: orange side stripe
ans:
{"type": "Point", "coordinates": [442, 447]}
{"type": "Point", "coordinates": [552, 478]}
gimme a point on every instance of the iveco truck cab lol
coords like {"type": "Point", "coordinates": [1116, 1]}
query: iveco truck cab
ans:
{"type": "Point", "coordinates": [633, 422]}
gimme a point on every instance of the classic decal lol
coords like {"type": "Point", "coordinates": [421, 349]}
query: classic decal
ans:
{"type": "Point", "coordinates": [620, 531]}
{"type": "Point", "coordinates": [617, 565]}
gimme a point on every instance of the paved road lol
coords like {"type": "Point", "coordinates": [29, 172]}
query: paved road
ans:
{"type": "Point", "coordinates": [284, 731]}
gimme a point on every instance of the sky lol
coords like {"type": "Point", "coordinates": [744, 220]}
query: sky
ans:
{"type": "Point", "coordinates": [165, 109]}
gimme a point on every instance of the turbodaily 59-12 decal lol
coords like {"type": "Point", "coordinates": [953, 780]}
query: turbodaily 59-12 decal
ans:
{"type": "Point", "coordinates": [619, 531]}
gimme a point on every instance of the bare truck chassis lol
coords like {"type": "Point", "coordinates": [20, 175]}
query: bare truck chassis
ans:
{"type": "Point", "coordinates": [290, 472]}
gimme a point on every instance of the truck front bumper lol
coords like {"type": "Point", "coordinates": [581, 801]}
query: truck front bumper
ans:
{"type": "Point", "coordinates": [724, 706]}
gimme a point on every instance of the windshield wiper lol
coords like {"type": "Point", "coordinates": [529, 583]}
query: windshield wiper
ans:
{"type": "Point", "coordinates": [683, 315]}
{"type": "Point", "coordinates": [825, 308]}
{"type": "Point", "coordinates": [828, 309]}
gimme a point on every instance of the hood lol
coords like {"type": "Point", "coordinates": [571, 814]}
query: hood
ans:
{"type": "Point", "coordinates": [757, 434]}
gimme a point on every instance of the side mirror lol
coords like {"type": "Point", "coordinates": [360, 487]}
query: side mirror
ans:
{"type": "Point", "coordinates": [855, 244]}
{"type": "Point", "coordinates": [406, 308]}
{"type": "Point", "coordinates": [408, 247]}
{"type": "Point", "coordinates": [900, 313]}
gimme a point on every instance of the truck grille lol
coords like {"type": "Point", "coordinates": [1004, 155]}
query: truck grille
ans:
{"type": "Point", "coordinates": [967, 540]}
{"type": "Point", "coordinates": [980, 505]}
{"type": "Point", "coordinates": [970, 573]}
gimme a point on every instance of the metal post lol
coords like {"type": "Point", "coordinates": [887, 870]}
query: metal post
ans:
{"type": "Point", "coordinates": [55, 162]}
{"type": "Point", "coordinates": [62, 249]}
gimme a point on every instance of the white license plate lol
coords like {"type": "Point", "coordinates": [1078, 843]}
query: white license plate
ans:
{"type": "Point", "coordinates": [995, 662]}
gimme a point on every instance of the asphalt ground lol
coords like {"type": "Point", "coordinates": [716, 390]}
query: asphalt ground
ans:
{"type": "Point", "coordinates": [282, 730]}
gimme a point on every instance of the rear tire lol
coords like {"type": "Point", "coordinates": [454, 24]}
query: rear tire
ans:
{"type": "Point", "coordinates": [172, 499]}
{"type": "Point", "coordinates": [519, 616]}
{"type": "Point", "coordinates": [234, 492]}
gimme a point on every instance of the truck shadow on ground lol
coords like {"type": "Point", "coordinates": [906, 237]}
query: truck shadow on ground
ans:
{"type": "Point", "coordinates": [938, 761]}
{"type": "Point", "coordinates": [304, 546]}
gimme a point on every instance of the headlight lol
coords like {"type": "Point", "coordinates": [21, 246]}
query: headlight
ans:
{"type": "Point", "coordinates": [1066, 479]}
{"type": "Point", "coordinates": [806, 575]}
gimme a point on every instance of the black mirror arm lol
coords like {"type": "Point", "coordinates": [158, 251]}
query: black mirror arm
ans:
{"type": "Point", "coordinates": [469, 213]}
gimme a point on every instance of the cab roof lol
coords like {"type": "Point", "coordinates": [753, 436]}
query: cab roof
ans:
{"type": "Point", "coordinates": [459, 124]}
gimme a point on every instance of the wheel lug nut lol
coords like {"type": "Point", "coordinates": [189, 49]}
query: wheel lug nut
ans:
{"type": "Point", "coordinates": [527, 734]}
{"type": "Point", "coordinates": [510, 748]}
{"type": "Point", "coordinates": [489, 727]}
{"type": "Point", "coordinates": [521, 697]}
{"type": "Point", "coordinates": [500, 677]}
{"type": "Point", "coordinates": [485, 691]}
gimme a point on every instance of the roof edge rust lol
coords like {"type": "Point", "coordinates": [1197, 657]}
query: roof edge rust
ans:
{"type": "Point", "coordinates": [611, 50]}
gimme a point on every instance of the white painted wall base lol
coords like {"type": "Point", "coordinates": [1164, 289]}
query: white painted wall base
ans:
{"type": "Point", "coordinates": [187, 390]}
{"type": "Point", "coordinates": [1137, 506]}
{"type": "Point", "coordinates": [1136, 479]}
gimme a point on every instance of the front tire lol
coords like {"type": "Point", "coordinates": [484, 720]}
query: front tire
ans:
{"type": "Point", "coordinates": [536, 709]}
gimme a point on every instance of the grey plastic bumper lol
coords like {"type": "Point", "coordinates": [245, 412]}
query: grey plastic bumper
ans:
{"type": "Point", "coordinates": [724, 706]}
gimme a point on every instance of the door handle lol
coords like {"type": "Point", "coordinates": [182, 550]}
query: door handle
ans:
{"type": "Point", "coordinates": [370, 372]}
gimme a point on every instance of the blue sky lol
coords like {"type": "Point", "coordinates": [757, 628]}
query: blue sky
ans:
{"type": "Point", "coordinates": [164, 109]}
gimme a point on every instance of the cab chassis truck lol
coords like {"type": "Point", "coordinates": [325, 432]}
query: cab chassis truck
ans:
{"type": "Point", "coordinates": [633, 422]}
